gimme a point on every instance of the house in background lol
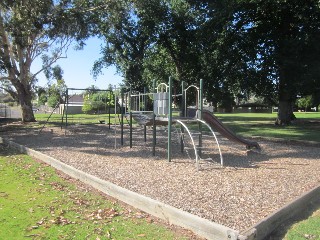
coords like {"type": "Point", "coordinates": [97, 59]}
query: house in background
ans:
{"type": "Point", "coordinates": [252, 108]}
{"type": "Point", "coordinates": [75, 104]}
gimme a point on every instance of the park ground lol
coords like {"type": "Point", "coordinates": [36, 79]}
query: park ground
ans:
{"type": "Point", "coordinates": [301, 131]}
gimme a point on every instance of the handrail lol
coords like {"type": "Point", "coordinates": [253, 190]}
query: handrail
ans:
{"type": "Point", "coordinates": [221, 158]}
{"type": "Point", "coordinates": [194, 146]}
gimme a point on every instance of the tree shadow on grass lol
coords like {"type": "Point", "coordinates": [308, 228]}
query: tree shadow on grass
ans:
{"type": "Point", "coordinates": [282, 230]}
{"type": "Point", "coordinates": [5, 150]}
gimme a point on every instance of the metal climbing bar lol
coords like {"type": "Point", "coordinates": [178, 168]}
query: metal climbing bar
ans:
{"type": "Point", "coordinates": [216, 139]}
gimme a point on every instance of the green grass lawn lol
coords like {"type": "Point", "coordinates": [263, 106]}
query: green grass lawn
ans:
{"type": "Point", "coordinates": [306, 127]}
{"type": "Point", "coordinates": [37, 203]}
{"type": "Point", "coordinates": [307, 229]}
{"type": "Point", "coordinates": [301, 229]}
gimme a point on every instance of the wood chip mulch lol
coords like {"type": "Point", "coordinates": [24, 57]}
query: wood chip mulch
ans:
{"type": "Point", "coordinates": [249, 187]}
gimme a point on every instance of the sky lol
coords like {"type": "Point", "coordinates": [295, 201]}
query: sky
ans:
{"type": "Point", "coordinates": [77, 68]}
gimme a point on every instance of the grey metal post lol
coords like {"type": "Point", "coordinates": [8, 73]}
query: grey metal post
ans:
{"type": "Point", "coordinates": [66, 108]}
{"type": "Point", "coordinates": [183, 99]}
{"type": "Point", "coordinates": [144, 100]}
{"type": "Point", "coordinates": [170, 119]}
{"type": "Point", "coordinates": [201, 99]}
{"type": "Point", "coordinates": [109, 108]}
{"type": "Point", "coordinates": [154, 130]}
{"type": "Point", "coordinates": [200, 107]}
{"type": "Point", "coordinates": [122, 97]}
{"type": "Point", "coordinates": [130, 99]}
{"type": "Point", "coordinates": [183, 114]}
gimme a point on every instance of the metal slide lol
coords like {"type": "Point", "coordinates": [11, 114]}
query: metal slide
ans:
{"type": "Point", "coordinates": [216, 124]}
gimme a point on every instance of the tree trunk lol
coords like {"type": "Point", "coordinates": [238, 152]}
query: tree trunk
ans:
{"type": "Point", "coordinates": [287, 90]}
{"type": "Point", "coordinates": [27, 113]}
{"type": "Point", "coordinates": [25, 100]}
{"type": "Point", "coordinates": [285, 113]}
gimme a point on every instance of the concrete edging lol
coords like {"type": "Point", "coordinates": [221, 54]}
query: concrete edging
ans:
{"type": "Point", "coordinates": [199, 226]}
{"type": "Point", "coordinates": [267, 225]}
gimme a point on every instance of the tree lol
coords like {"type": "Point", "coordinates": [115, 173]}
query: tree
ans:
{"type": "Point", "coordinates": [41, 95]}
{"type": "Point", "coordinates": [57, 90]}
{"type": "Point", "coordinates": [30, 29]}
{"type": "Point", "coordinates": [128, 31]}
{"type": "Point", "coordinates": [98, 101]}
{"type": "Point", "coordinates": [279, 51]}
{"type": "Point", "coordinates": [304, 102]}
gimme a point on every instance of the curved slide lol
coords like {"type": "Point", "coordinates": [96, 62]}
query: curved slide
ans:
{"type": "Point", "coordinates": [216, 124]}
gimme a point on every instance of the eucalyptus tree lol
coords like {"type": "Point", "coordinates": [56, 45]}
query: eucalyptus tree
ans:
{"type": "Point", "coordinates": [30, 29]}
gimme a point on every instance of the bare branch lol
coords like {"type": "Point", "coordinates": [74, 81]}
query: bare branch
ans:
{"type": "Point", "coordinates": [58, 54]}
{"type": "Point", "coordinates": [13, 94]}
{"type": "Point", "coordinates": [92, 9]}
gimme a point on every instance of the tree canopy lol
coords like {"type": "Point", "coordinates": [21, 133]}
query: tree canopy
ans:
{"type": "Point", "coordinates": [265, 48]}
{"type": "Point", "coordinates": [237, 46]}
{"type": "Point", "coordinates": [280, 49]}
{"type": "Point", "coordinates": [30, 29]}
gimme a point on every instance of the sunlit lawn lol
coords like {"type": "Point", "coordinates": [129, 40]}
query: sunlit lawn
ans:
{"type": "Point", "coordinates": [306, 127]}
{"type": "Point", "coordinates": [37, 203]}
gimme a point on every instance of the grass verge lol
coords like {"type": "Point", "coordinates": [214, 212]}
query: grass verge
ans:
{"type": "Point", "coordinates": [305, 128]}
{"type": "Point", "coordinates": [307, 229]}
{"type": "Point", "coordinates": [38, 203]}
{"type": "Point", "coordinates": [305, 226]}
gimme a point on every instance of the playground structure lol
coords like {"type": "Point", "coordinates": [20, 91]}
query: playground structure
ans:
{"type": "Point", "coordinates": [195, 128]}
{"type": "Point", "coordinates": [162, 115]}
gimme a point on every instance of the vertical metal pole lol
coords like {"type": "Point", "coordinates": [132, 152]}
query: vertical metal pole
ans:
{"type": "Point", "coordinates": [126, 106]}
{"type": "Point", "coordinates": [109, 107]}
{"type": "Point", "coordinates": [201, 99]}
{"type": "Point", "coordinates": [183, 114]}
{"type": "Point", "coordinates": [183, 99]}
{"type": "Point", "coordinates": [145, 133]}
{"type": "Point", "coordinates": [144, 109]}
{"type": "Point", "coordinates": [200, 107]}
{"type": "Point", "coordinates": [115, 117]}
{"type": "Point", "coordinates": [130, 93]}
{"type": "Point", "coordinates": [139, 101]}
{"type": "Point", "coordinates": [66, 108]}
{"type": "Point", "coordinates": [154, 130]}
{"type": "Point", "coordinates": [169, 119]}
{"type": "Point", "coordinates": [122, 98]}
{"type": "Point", "coordinates": [145, 99]}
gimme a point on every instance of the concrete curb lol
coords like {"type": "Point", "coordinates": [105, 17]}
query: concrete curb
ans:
{"type": "Point", "coordinates": [199, 226]}
{"type": "Point", "coordinates": [267, 225]}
